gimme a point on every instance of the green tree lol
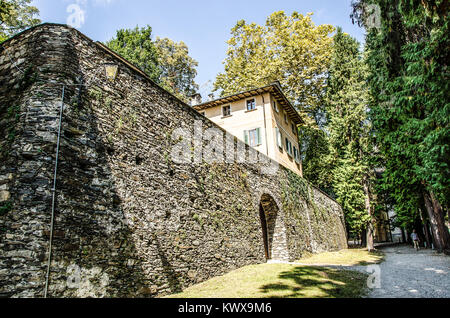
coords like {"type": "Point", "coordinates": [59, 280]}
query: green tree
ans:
{"type": "Point", "coordinates": [408, 61]}
{"type": "Point", "coordinates": [348, 185]}
{"type": "Point", "coordinates": [350, 139]}
{"type": "Point", "coordinates": [16, 16]}
{"type": "Point", "coordinates": [317, 161]}
{"type": "Point", "coordinates": [178, 69]}
{"type": "Point", "coordinates": [166, 62]}
{"type": "Point", "coordinates": [136, 46]}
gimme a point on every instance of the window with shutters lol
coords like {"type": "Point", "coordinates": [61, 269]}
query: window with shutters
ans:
{"type": "Point", "coordinates": [226, 111]}
{"type": "Point", "coordinates": [296, 155]}
{"type": "Point", "coordinates": [288, 147]}
{"type": "Point", "coordinates": [253, 137]}
{"type": "Point", "coordinates": [251, 104]}
{"type": "Point", "coordinates": [275, 106]}
{"type": "Point", "coordinates": [279, 138]}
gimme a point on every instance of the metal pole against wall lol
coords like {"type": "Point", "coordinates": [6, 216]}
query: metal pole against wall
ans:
{"type": "Point", "coordinates": [54, 195]}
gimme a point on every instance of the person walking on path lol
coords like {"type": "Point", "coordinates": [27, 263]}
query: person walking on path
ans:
{"type": "Point", "coordinates": [415, 239]}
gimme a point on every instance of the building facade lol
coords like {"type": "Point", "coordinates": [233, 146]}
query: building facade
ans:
{"type": "Point", "coordinates": [263, 118]}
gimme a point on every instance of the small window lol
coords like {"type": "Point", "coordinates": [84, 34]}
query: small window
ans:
{"type": "Point", "coordinates": [253, 137]}
{"type": "Point", "coordinates": [285, 118]}
{"type": "Point", "coordinates": [251, 104]}
{"type": "Point", "coordinates": [296, 155]}
{"type": "Point", "coordinates": [275, 106]}
{"type": "Point", "coordinates": [293, 129]}
{"type": "Point", "coordinates": [279, 138]}
{"type": "Point", "coordinates": [288, 147]}
{"type": "Point", "coordinates": [226, 111]}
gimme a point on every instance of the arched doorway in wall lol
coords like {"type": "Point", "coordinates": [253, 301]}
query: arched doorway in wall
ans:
{"type": "Point", "coordinates": [273, 231]}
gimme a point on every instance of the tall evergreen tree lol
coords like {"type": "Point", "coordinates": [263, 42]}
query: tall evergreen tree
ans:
{"type": "Point", "coordinates": [408, 61]}
{"type": "Point", "coordinates": [316, 157]}
{"type": "Point", "coordinates": [349, 135]}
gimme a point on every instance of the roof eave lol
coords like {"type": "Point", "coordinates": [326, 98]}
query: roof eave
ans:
{"type": "Point", "coordinates": [257, 91]}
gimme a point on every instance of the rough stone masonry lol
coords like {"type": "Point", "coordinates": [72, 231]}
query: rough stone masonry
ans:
{"type": "Point", "coordinates": [129, 221]}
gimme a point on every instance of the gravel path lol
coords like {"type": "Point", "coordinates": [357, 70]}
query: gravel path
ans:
{"type": "Point", "coordinates": [406, 273]}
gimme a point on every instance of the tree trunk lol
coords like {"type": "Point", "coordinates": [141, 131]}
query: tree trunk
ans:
{"type": "Point", "coordinates": [438, 227]}
{"type": "Point", "coordinates": [441, 222]}
{"type": "Point", "coordinates": [425, 228]}
{"type": "Point", "coordinates": [428, 227]}
{"type": "Point", "coordinates": [421, 233]}
{"type": "Point", "coordinates": [408, 237]}
{"type": "Point", "coordinates": [403, 235]}
{"type": "Point", "coordinates": [369, 240]}
{"type": "Point", "coordinates": [390, 232]}
{"type": "Point", "coordinates": [364, 238]}
{"type": "Point", "coordinates": [370, 229]}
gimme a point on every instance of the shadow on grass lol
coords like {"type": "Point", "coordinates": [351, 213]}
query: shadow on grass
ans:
{"type": "Point", "coordinates": [312, 282]}
{"type": "Point", "coordinates": [379, 255]}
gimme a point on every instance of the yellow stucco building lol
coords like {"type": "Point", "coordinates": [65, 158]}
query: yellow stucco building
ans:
{"type": "Point", "coordinates": [263, 118]}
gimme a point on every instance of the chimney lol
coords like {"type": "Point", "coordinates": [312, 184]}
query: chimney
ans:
{"type": "Point", "coordinates": [196, 99]}
{"type": "Point", "coordinates": [211, 97]}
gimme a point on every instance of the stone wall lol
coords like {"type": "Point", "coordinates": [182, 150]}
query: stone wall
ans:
{"type": "Point", "coordinates": [129, 221]}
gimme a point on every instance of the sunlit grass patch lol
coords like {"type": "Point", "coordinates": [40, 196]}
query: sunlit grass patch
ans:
{"type": "Point", "coordinates": [280, 281]}
{"type": "Point", "coordinates": [344, 257]}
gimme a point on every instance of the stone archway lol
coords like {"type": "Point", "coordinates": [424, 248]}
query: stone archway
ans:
{"type": "Point", "coordinates": [273, 230]}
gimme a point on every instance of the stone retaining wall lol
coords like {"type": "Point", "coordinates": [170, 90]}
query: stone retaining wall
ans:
{"type": "Point", "coordinates": [129, 221]}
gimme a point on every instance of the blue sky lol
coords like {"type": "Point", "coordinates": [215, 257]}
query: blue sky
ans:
{"type": "Point", "coordinates": [204, 25]}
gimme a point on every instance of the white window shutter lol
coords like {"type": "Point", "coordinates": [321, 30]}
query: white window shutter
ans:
{"type": "Point", "coordinates": [279, 138]}
{"type": "Point", "coordinates": [258, 133]}
{"type": "Point", "coordinates": [295, 153]}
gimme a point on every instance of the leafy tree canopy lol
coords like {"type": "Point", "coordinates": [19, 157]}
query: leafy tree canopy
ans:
{"type": "Point", "coordinates": [136, 45]}
{"type": "Point", "coordinates": [16, 16]}
{"type": "Point", "coordinates": [166, 62]}
{"type": "Point", "coordinates": [178, 69]}
{"type": "Point", "coordinates": [290, 49]}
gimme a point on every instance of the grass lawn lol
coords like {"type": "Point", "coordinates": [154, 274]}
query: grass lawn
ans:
{"type": "Point", "coordinates": [356, 256]}
{"type": "Point", "coordinates": [280, 281]}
